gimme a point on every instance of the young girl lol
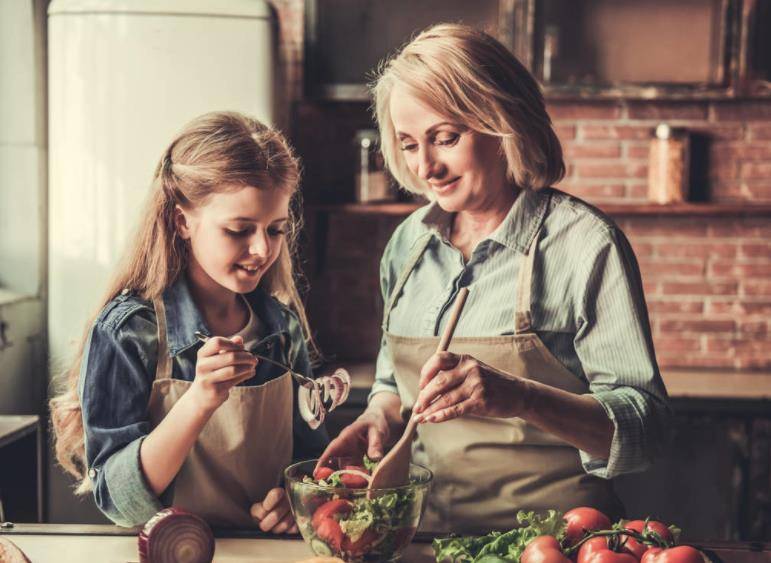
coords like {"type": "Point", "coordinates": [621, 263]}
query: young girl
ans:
{"type": "Point", "coordinates": [151, 417]}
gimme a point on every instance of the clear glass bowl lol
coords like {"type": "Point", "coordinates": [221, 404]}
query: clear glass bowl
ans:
{"type": "Point", "coordinates": [356, 525]}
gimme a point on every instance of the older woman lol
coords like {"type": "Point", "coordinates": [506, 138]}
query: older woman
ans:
{"type": "Point", "coordinates": [552, 387]}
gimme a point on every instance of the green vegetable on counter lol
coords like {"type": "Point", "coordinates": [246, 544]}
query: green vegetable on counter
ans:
{"type": "Point", "coordinates": [500, 547]}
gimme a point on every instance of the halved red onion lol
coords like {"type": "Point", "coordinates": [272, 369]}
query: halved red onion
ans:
{"type": "Point", "coordinates": [176, 536]}
{"type": "Point", "coordinates": [10, 552]}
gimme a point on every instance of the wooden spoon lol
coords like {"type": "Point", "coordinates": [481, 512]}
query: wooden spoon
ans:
{"type": "Point", "coordinates": [394, 469]}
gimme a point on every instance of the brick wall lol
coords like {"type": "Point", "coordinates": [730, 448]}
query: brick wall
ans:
{"type": "Point", "coordinates": [707, 279]}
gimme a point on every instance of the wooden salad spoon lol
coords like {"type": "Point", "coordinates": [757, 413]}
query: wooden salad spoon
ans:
{"type": "Point", "coordinates": [394, 469]}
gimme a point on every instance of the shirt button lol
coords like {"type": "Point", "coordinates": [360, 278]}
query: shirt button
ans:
{"type": "Point", "coordinates": [92, 473]}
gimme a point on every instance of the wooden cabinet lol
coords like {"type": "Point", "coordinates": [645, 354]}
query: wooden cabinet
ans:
{"type": "Point", "coordinates": [592, 48]}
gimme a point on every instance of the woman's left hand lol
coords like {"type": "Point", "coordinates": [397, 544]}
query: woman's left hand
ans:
{"type": "Point", "coordinates": [274, 514]}
{"type": "Point", "coordinates": [452, 386]}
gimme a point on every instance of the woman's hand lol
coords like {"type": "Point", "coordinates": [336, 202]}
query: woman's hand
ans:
{"type": "Point", "coordinates": [274, 513]}
{"type": "Point", "coordinates": [222, 363]}
{"type": "Point", "coordinates": [452, 386]}
{"type": "Point", "coordinates": [368, 434]}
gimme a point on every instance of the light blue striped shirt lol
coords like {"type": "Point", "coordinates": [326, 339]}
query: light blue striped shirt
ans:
{"type": "Point", "coordinates": [587, 305]}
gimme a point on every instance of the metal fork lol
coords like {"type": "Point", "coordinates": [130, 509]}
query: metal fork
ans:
{"type": "Point", "coordinates": [301, 379]}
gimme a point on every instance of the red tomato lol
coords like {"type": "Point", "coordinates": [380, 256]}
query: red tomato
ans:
{"type": "Point", "coordinates": [362, 545]}
{"type": "Point", "coordinates": [583, 519]}
{"type": "Point", "coordinates": [543, 549]}
{"type": "Point", "coordinates": [329, 531]}
{"type": "Point", "coordinates": [597, 545]}
{"type": "Point", "coordinates": [322, 473]}
{"type": "Point", "coordinates": [653, 526]}
{"type": "Point", "coordinates": [608, 556]}
{"type": "Point", "coordinates": [354, 481]}
{"type": "Point", "coordinates": [329, 509]}
{"type": "Point", "coordinates": [679, 554]}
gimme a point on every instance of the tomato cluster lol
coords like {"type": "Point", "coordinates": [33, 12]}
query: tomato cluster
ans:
{"type": "Point", "coordinates": [590, 538]}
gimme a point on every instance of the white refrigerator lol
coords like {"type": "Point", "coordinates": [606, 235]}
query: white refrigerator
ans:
{"type": "Point", "coordinates": [124, 76]}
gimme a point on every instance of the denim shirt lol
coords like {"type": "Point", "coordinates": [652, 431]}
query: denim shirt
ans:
{"type": "Point", "coordinates": [587, 304]}
{"type": "Point", "coordinates": [116, 378]}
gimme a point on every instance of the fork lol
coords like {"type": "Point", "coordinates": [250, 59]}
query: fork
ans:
{"type": "Point", "coordinates": [301, 379]}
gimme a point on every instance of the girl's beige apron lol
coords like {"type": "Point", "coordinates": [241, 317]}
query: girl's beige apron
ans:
{"type": "Point", "coordinates": [242, 450]}
{"type": "Point", "coordinates": [486, 469]}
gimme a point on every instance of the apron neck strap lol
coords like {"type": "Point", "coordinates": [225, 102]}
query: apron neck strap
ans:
{"type": "Point", "coordinates": [163, 366]}
{"type": "Point", "coordinates": [418, 249]}
{"type": "Point", "coordinates": [523, 319]}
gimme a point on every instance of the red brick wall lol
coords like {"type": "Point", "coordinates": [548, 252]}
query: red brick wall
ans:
{"type": "Point", "coordinates": [707, 279]}
{"type": "Point", "coordinates": [606, 147]}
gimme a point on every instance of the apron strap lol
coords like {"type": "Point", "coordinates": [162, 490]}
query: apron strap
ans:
{"type": "Point", "coordinates": [523, 319]}
{"type": "Point", "coordinates": [418, 248]}
{"type": "Point", "coordinates": [163, 366]}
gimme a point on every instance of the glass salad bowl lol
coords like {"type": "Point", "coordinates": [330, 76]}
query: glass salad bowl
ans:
{"type": "Point", "coordinates": [338, 516]}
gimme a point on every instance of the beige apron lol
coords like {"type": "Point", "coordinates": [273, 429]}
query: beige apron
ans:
{"type": "Point", "coordinates": [486, 469]}
{"type": "Point", "coordinates": [240, 453]}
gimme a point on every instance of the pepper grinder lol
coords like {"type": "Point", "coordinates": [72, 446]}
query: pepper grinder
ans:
{"type": "Point", "coordinates": [668, 165]}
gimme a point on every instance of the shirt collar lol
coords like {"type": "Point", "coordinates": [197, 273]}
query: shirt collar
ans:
{"type": "Point", "coordinates": [183, 318]}
{"type": "Point", "coordinates": [518, 228]}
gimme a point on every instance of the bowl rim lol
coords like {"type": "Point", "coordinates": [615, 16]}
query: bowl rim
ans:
{"type": "Point", "coordinates": [424, 485]}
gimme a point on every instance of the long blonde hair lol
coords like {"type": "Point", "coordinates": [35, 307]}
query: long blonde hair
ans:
{"type": "Point", "coordinates": [469, 76]}
{"type": "Point", "coordinates": [216, 152]}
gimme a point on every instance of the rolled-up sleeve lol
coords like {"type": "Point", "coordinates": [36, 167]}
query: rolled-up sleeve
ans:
{"type": "Point", "coordinates": [114, 391]}
{"type": "Point", "coordinates": [615, 348]}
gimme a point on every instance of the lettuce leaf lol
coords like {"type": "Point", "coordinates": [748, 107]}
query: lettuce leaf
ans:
{"type": "Point", "coordinates": [507, 546]}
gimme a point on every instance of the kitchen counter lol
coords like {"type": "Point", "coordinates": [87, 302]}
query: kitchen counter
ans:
{"type": "Point", "coordinates": [73, 543]}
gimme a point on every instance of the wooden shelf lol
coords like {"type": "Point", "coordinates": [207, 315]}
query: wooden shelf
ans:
{"type": "Point", "coordinates": [612, 209]}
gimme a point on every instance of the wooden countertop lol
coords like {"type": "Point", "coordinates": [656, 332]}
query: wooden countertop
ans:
{"type": "Point", "coordinates": [74, 543]}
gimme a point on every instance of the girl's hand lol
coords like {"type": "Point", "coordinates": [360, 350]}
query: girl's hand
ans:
{"type": "Point", "coordinates": [452, 386]}
{"type": "Point", "coordinates": [367, 434]}
{"type": "Point", "coordinates": [274, 514]}
{"type": "Point", "coordinates": [222, 363]}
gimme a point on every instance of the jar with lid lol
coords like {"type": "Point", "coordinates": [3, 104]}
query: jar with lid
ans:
{"type": "Point", "coordinates": [372, 183]}
{"type": "Point", "coordinates": [668, 165]}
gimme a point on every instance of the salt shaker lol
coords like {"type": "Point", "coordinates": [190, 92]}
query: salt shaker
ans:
{"type": "Point", "coordinates": [668, 165]}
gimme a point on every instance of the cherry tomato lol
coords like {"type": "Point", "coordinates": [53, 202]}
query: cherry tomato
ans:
{"type": "Point", "coordinates": [329, 510]}
{"type": "Point", "coordinates": [322, 473]}
{"type": "Point", "coordinates": [331, 533]}
{"type": "Point", "coordinates": [354, 481]}
{"type": "Point", "coordinates": [362, 545]}
{"type": "Point", "coordinates": [679, 554]}
{"type": "Point", "coordinates": [543, 549]}
{"type": "Point", "coordinates": [653, 526]}
{"type": "Point", "coordinates": [583, 519]}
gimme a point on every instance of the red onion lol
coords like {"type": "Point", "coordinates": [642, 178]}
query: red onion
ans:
{"type": "Point", "coordinates": [10, 553]}
{"type": "Point", "coordinates": [332, 389]}
{"type": "Point", "coordinates": [176, 536]}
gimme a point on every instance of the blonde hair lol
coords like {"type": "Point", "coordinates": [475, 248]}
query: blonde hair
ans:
{"type": "Point", "coordinates": [470, 77]}
{"type": "Point", "coordinates": [216, 152]}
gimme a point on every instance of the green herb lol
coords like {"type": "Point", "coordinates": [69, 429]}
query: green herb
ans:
{"type": "Point", "coordinates": [369, 464]}
{"type": "Point", "coordinates": [507, 546]}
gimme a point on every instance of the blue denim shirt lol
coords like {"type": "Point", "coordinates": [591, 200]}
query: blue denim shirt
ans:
{"type": "Point", "coordinates": [116, 379]}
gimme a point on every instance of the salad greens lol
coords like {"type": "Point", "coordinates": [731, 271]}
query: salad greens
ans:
{"type": "Point", "coordinates": [500, 546]}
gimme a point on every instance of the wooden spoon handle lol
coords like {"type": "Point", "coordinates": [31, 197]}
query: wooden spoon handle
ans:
{"type": "Point", "coordinates": [449, 330]}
